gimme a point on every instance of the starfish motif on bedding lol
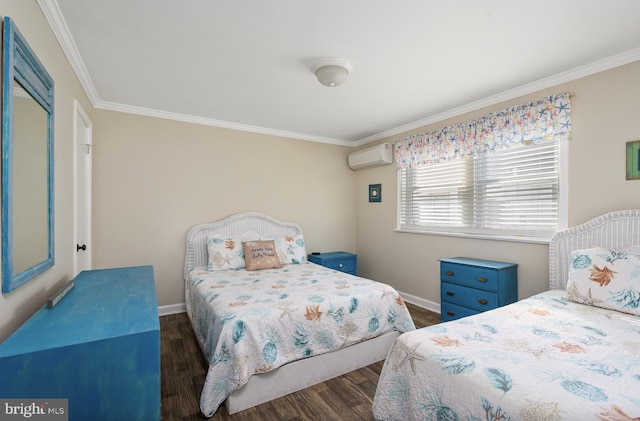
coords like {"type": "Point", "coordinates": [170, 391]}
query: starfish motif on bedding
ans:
{"type": "Point", "coordinates": [346, 330]}
{"type": "Point", "coordinates": [287, 311]}
{"type": "Point", "coordinates": [386, 292]}
{"type": "Point", "coordinates": [411, 356]}
{"type": "Point", "coordinates": [240, 364]}
{"type": "Point", "coordinates": [587, 299]}
{"type": "Point", "coordinates": [220, 260]}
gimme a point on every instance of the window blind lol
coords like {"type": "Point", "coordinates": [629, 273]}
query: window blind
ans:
{"type": "Point", "coordinates": [512, 192]}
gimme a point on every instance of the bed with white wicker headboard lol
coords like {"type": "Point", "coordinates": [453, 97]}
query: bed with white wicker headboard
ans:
{"type": "Point", "coordinates": [249, 224]}
{"type": "Point", "coordinates": [571, 352]}
{"type": "Point", "coordinates": [614, 230]}
{"type": "Point", "coordinates": [266, 333]}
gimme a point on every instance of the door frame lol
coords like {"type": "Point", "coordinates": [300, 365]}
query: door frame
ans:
{"type": "Point", "coordinates": [86, 159]}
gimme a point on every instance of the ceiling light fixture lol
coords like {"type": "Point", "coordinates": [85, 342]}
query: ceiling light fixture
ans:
{"type": "Point", "coordinates": [331, 72]}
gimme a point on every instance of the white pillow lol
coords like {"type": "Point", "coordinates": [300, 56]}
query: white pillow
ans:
{"type": "Point", "coordinates": [225, 253]}
{"type": "Point", "coordinates": [291, 249]}
{"type": "Point", "coordinates": [605, 278]}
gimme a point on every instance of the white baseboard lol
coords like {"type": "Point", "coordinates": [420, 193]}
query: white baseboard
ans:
{"type": "Point", "coordinates": [172, 309]}
{"type": "Point", "coordinates": [420, 302]}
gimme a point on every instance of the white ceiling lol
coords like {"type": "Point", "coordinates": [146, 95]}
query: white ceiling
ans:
{"type": "Point", "coordinates": [246, 64]}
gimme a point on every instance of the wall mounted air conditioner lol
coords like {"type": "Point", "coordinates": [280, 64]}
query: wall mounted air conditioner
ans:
{"type": "Point", "coordinates": [375, 156]}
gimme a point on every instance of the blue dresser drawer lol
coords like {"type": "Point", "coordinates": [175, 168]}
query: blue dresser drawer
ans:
{"type": "Point", "coordinates": [473, 276]}
{"type": "Point", "coordinates": [343, 265]}
{"type": "Point", "coordinates": [469, 297]}
{"type": "Point", "coordinates": [469, 286]}
{"type": "Point", "coordinates": [338, 260]}
{"type": "Point", "coordinates": [451, 311]}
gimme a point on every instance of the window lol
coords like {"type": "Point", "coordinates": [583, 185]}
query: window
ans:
{"type": "Point", "coordinates": [500, 176]}
{"type": "Point", "coordinates": [509, 193]}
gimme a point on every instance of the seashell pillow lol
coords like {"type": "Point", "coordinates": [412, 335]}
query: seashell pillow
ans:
{"type": "Point", "coordinates": [291, 249]}
{"type": "Point", "coordinates": [605, 278]}
{"type": "Point", "coordinates": [260, 255]}
{"type": "Point", "coordinates": [225, 253]}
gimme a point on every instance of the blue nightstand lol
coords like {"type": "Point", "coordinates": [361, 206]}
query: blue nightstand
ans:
{"type": "Point", "coordinates": [338, 260]}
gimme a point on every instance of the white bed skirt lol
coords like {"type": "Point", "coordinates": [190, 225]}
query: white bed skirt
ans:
{"type": "Point", "coordinates": [300, 374]}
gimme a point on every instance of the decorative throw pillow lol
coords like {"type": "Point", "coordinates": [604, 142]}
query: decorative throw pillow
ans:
{"type": "Point", "coordinates": [225, 253]}
{"type": "Point", "coordinates": [261, 255]}
{"type": "Point", "coordinates": [291, 249]}
{"type": "Point", "coordinates": [605, 278]}
{"type": "Point", "coordinates": [628, 249]}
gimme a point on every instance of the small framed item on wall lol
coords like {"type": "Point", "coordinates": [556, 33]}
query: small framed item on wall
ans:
{"type": "Point", "coordinates": [375, 192]}
{"type": "Point", "coordinates": [633, 160]}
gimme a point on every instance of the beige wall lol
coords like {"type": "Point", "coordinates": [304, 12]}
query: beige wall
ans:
{"type": "Point", "coordinates": [605, 110]}
{"type": "Point", "coordinates": [155, 178]}
{"type": "Point", "coordinates": [20, 304]}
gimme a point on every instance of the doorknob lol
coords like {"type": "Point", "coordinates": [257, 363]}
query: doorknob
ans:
{"type": "Point", "coordinates": [81, 247]}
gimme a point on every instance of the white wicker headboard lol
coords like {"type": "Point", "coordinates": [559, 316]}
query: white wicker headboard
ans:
{"type": "Point", "coordinates": [238, 224]}
{"type": "Point", "coordinates": [613, 230]}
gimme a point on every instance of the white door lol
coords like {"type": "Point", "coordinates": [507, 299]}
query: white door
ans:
{"type": "Point", "coordinates": [82, 157]}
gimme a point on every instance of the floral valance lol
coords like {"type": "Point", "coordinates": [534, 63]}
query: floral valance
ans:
{"type": "Point", "coordinates": [520, 125]}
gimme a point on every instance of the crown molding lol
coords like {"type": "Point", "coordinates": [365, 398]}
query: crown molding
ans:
{"type": "Point", "coordinates": [61, 30]}
{"type": "Point", "coordinates": [149, 112]}
{"type": "Point", "coordinates": [608, 63]}
{"type": "Point", "coordinates": [54, 16]}
{"type": "Point", "coordinates": [56, 21]}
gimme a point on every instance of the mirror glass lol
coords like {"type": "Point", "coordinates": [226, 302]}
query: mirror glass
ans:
{"type": "Point", "coordinates": [30, 208]}
{"type": "Point", "coordinates": [27, 163]}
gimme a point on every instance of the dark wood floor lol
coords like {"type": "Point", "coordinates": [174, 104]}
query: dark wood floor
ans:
{"type": "Point", "coordinates": [348, 397]}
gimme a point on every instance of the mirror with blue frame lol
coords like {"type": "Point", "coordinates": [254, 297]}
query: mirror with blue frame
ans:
{"type": "Point", "coordinates": [27, 162]}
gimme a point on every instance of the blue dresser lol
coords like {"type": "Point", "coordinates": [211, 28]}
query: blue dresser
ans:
{"type": "Point", "coordinates": [99, 347]}
{"type": "Point", "coordinates": [338, 260]}
{"type": "Point", "coordinates": [470, 286]}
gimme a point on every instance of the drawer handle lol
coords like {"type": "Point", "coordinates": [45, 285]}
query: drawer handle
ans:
{"type": "Point", "coordinates": [481, 279]}
{"type": "Point", "coordinates": [451, 313]}
{"type": "Point", "coordinates": [483, 302]}
{"type": "Point", "coordinates": [449, 273]}
{"type": "Point", "coordinates": [340, 265]}
{"type": "Point", "coordinates": [450, 293]}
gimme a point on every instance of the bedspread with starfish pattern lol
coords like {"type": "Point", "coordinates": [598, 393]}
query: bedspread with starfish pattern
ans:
{"type": "Point", "coordinates": [251, 322]}
{"type": "Point", "coordinates": [543, 358]}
